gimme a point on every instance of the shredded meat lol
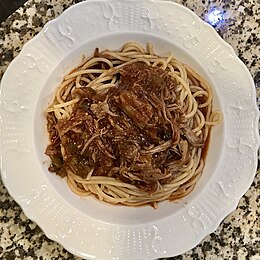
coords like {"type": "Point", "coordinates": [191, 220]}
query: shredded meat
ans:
{"type": "Point", "coordinates": [136, 132]}
{"type": "Point", "coordinates": [138, 109]}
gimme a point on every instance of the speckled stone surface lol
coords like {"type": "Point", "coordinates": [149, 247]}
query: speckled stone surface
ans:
{"type": "Point", "coordinates": [238, 236]}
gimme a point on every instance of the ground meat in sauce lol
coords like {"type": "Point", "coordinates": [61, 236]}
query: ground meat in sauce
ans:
{"type": "Point", "coordinates": [130, 130]}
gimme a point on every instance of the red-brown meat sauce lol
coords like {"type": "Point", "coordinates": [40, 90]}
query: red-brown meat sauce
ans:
{"type": "Point", "coordinates": [135, 132]}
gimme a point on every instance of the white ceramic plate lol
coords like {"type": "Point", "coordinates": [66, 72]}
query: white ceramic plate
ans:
{"type": "Point", "coordinates": [87, 227]}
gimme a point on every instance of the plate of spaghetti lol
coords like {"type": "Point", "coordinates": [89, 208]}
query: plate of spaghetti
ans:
{"type": "Point", "coordinates": [131, 127]}
{"type": "Point", "coordinates": [124, 124]}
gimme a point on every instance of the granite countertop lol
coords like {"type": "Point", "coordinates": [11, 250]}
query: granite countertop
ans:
{"type": "Point", "coordinates": [238, 236]}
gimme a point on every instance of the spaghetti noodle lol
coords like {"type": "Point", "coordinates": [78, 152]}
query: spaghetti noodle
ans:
{"type": "Point", "coordinates": [130, 127]}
